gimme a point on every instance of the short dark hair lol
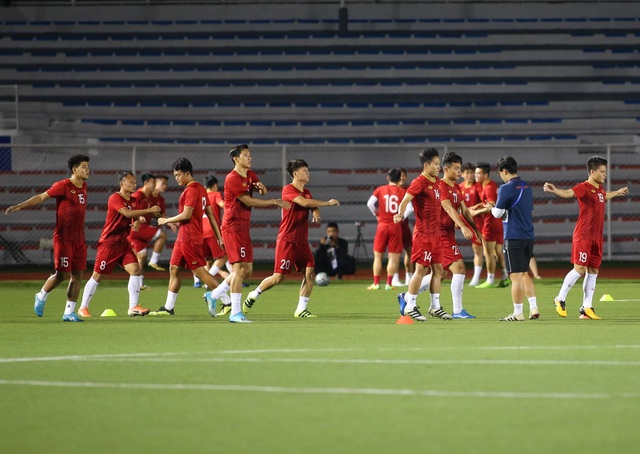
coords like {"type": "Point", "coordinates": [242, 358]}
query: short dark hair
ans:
{"type": "Point", "coordinates": [235, 151]}
{"type": "Point", "coordinates": [162, 177]}
{"type": "Point", "coordinates": [402, 170]}
{"type": "Point", "coordinates": [76, 160]}
{"type": "Point", "coordinates": [468, 166]}
{"type": "Point", "coordinates": [146, 177]}
{"type": "Point", "coordinates": [333, 224]}
{"type": "Point", "coordinates": [484, 166]}
{"type": "Point", "coordinates": [182, 165]}
{"type": "Point", "coordinates": [210, 182]}
{"type": "Point", "coordinates": [427, 155]}
{"type": "Point", "coordinates": [296, 164]}
{"type": "Point", "coordinates": [594, 162]}
{"type": "Point", "coordinates": [123, 174]}
{"type": "Point", "coordinates": [451, 158]}
{"type": "Point", "coordinates": [394, 175]}
{"type": "Point", "coordinates": [507, 163]}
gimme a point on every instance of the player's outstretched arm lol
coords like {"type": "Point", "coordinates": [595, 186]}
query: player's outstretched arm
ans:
{"type": "Point", "coordinates": [33, 201]}
{"type": "Point", "coordinates": [314, 203]}
{"type": "Point", "coordinates": [563, 193]}
{"type": "Point", "coordinates": [619, 193]}
{"type": "Point", "coordinates": [263, 203]}
{"type": "Point", "coordinates": [127, 213]}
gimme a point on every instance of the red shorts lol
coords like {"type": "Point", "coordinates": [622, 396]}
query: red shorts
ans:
{"type": "Point", "coordinates": [288, 254]}
{"type": "Point", "coordinates": [450, 251]}
{"type": "Point", "coordinates": [111, 254]}
{"type": "Point", "coordinates": [388, 236]}
{"type": "Point", "coordinates": [407, 236]}
{"type": "Point", "coordinates": [212, 249]}
{"type": "Point", "coordinates": [187, 255]}
{"type": "Point", "coordinates": [69, 256]}
{"type": "Point", "coordinates": [140, 240]}
{"type": "Point", "coordinates": [426, 249]}
{"type": "Point", "coordinates": [238, 246]}
{"type": "Point", "coordinates": [587, 253]}
{"type": "Point", "coordinates": [492, 229]}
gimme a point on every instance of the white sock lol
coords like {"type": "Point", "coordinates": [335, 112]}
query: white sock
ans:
{"type": "Point", "coordinates": [236, 305]}
{"type": "Point", "coordinates": [215, 269]}
{"type": "Point", "coordinates": [226, 300]}
{"type": "Point", "coordinates": [196, 279]}
{"type": "Point", "coordinates": [411, 301]}
{"type": "Point", "coordinates": [134, 290]}
{"type": "Point", "coordinates": [517, 308]}
{"type": "Point", "coordinates": [219, 290]}
{"type": "Point", "coordinates": [171, 300]}
{"type": "Point", "coordinates": [69, 307]}
{"type": "Point", "coordinates": [457, 286]}
{"type": "Point", "coordinates": [435, 301]}
{"type": "Point", "coordinates": [42, 295]}
{"type": "Point", "coordinates": [407, 278]}
{"type": "Point", "coordinates": [533, 302]}
{"type": "Point", "coordinates": [491, 278]}
{"type": "Point", "coordinates": [589, 289]}
{"type": "Point", "coordinates": [396, 277]}
{"type": "Point", "coordinates": [89, 289]}
{"type": "Point", "coordinates": [302, 304]}
{"type": "Point", "coordinates": [154, 258]}
{"type": "Point", "coordinates": [229, 267]}
{"type": "Point", "coordinates": [569, 280]}
{"type": "Point", "coordinates": [426, 282]}
{"type": "Point", "coordinates": [477, 271]}
{"type": "Point", "coordinates": [258, 291]}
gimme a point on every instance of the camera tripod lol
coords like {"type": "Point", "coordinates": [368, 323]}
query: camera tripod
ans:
{"type": "Point", "coordinates": [360, 244]}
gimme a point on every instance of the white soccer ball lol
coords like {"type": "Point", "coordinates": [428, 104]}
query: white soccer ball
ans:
{"type": "Point", "coordinates": [322, 279]}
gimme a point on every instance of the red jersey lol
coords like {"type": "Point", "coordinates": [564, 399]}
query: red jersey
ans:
{"type": "Point", "coordinates": [207, 230]}
{"type": "Point", "coordinates": [472, 194]}
{"type": "Point", "coordinates": [194, 196]}
{"type": "Point", "coordinates": [294, 227]}
{"type": "Point", "coordinates": [71, 206]}
{"type": "Point", "coordinates": [117, 226]}
{"type": "Point", "coordinates": [591, 217]}
{"type": "Point", "coordinates": [143, 202]}
{"type": "Point", "coordinates": [237, 215]}
{"type": "Point", "coordinates": [389, 197]}
{"type": "Point", "coordinates": [454, 195]}
{"type": "Point", "coordinates": [161, 203]}
{"type": "Point", "coordinates": [490, 194]}
{"type": "Point", "coordinates": [426, 205]}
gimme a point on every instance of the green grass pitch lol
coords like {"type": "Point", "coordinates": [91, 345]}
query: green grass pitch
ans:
{"type": "Point", "coordinates": [350, 381]}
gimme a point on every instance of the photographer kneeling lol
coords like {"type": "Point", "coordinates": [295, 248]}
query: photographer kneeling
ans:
{"type": "Point", "coordinates": [332, 256]}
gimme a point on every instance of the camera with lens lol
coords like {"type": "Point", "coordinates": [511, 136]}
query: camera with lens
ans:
{"type": "Point", "coordinates": [359, 224]}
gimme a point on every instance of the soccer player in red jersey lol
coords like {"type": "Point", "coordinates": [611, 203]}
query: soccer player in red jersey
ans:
{"type": "Point", "coordinates": [455, 213]}
{"type": "Point", "coordinates": [69, 247]}
{"type": "Point", "coordinates": [383, 204]}
{"type": "Point", "coordinates": [215, 256]}
{"type": "Point", "coordinates": [407, 239]}
{"type": "Point", "coordinates": [188, 250]}
{"type": "Point", "coordinates": [146, 232]}
{"type": "Point", "coordinates": [114, 247]}
{"type": "Point", "coordinates": [161, 187]}
{"type": "Point", "coordinates": [238, 201]}
{"type": "Point", "coordinates": [586, 253]}
{"type": "Point", "coordinates": [424, 194]}
{"type": "Point", "coordinates": [472, 194]}
{"type": "Point", "coordinates": [492, 228]}
{"type": "Point", "coordinates": [292, 245]}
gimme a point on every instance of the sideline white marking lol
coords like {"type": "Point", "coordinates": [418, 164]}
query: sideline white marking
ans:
{"type": "Point", "coordinates": [503, 362]}
{"type": "Point", "coordinates": [343, 391]}
{"type": "Point", "coordinates": [83, 357]}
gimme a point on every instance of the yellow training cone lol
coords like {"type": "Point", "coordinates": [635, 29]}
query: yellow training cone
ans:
{"type": "Point", "coordinates": [108, 313]}
{"type": "Point", "coordinates": [606, 298]}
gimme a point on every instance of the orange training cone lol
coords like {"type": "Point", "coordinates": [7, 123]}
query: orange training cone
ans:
{"type": "Point", "coordinates": [404, 320]}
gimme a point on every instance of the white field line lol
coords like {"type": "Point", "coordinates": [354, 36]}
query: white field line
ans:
{"type": "Point", "coordinates": [336, 391]}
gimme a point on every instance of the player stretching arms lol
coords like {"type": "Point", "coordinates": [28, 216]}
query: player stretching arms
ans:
{"type": "Point", "coordinates": [238, 201]}
{"type": "Point", "coordinates": [114, 248]}
{"type": "Point", "coordinates": [586, 253]}
{"type": "Point", "coordinates": [188, 250]}
{"type": "Point", "coordinates": [424, 194]}
{"type": "Point", "coordinates": [383, 205]}
{"type": "Point", "coordinates": [292, 245]}
{"type": "Point", "coordinates": [69, 247]}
